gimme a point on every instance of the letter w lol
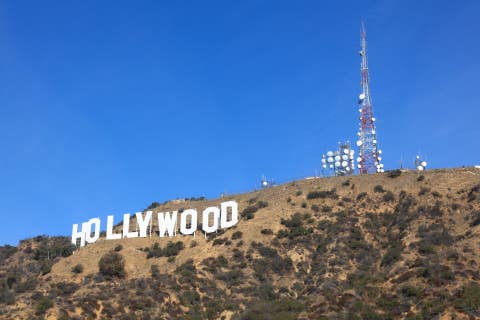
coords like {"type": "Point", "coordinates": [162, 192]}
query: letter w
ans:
{"type": "Point", "coordinates": [166, 223]}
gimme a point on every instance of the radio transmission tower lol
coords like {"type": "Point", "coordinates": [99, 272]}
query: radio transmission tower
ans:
{"type": "Point", "coordinates": [369, 156]}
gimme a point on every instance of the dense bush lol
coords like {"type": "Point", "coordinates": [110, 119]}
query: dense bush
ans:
{"type": "Point", "coordinates": [43, 304]}
{"type": "Point", "coordinates": [393, 254]}
{"type": "Point", "coordinates": [474, 193]}
{"type": "Point", "coordinates": [283, 309]}
{"type": "Point", "coordinates": [394, 173]}
{"type": "Point", "coordinates": [388, 196]}
{"type": "Point", "coordinates": [6, 252]}
{"type": "Point", "coordinates": [78, 268]}
{"type": "Point", "coordinates": [378, 188]}
{"type": "Point", "coordinates": [249, 212]}
{"type": "Point", "coordinates": [469, 299]}
{"type": "Point", "coordinates": [51, 247]}
{"type": "Point", "coordinates": [111, 265]}
{"type": "Point", "coordinates": [362, 195]}
{"type": "Point", "coordinates": [172, 249]}
{"type": "Point", "coordinates": [237, 235]}
{"type": "Point", "coordinates": [295, 227]}
{"type": "Point", "coordinates": [332, 194]}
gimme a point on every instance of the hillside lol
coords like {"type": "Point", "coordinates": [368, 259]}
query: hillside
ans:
{"type": "Point", "coordinates": [398, 245]}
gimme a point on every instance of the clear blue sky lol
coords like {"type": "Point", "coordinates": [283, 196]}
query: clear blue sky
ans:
{"type": "Point", "coordinates": [106, 106]}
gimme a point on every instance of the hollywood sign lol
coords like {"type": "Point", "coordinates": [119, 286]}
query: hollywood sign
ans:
{"type": "Point", "coordinates": [213, 218]}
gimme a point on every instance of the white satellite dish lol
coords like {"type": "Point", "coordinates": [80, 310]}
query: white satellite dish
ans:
{"type": "Point", "coordinates": [379, 151]}
{"type": "Point", "coordinates": [424, 163]}
{"type": "Point", "coordinates": [346, 151]}
{"type": "Point", "coordinates": [361, 96]}
{"type": "Point", "coordinates": [360, 110]}
{"type": "Point", "coordinates": [337, 158]}
{"type": "Point", "coordinates": [331, 166]}
{"type": "Point", "coordinates": [420, 168]}
{"type": "Point", "coordinates": [374, 141]}
{"type": "Point", "coordinates": [359, 166]}
{"type": "Point", "coordinates": [324, 166]}
{"type": "Point", "coordinates": [351, 157]}
{"type": "Point", "coordinates": [337, 164]}
{"type": "Point", "coordinates": [344, 164]}
{"type": "Point", "coordinates": [373, 131]}
{"type": "Point", "coordinates": [329, 153]}
{"type": "Point", "coordinates": [347, 168]}
{"type": "Point", "coordinates": [359, 143]}
{"type": "Point", "coordinates": [324, 160]}
{"type": "Point", "coordinates": [359, 159]}
{"type": "Point", "coordinates": [352, 151]}
{"type": "Point", "coordinates": [373, 119]}
{"type": "Point", "coordinates": [330, 159]}
{"type": "Point", "coordinates": [379, 158]}
{"type": "Point", "coordinates": [344, 157]}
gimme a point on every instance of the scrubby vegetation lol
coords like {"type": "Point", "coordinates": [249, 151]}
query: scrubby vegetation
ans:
{"type": "Point", "coordinates": [171, 249]}
{"type": "Point", "coordinates": [249, 212]}
{"type": "Point", "coordinates": [112, 265]}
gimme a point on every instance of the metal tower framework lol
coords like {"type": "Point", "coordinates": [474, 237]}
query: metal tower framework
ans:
{"type": "Point", "coordinates": [369, 154]}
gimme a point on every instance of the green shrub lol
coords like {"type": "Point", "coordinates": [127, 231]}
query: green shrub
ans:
{"type": "Point", "coordinates": [78, 268]}
{"type": "Point", "coordinates": [51, 247]}
{"type": "Point", "coordinates": [332, 194]}
{"type": "Point", "coordinates": [43, 304]}
{"type": "Point", "coordinates": [378, 189]}
{"type": "Point", "coordinates": [394, 173]}
{"type": "Point", "coordinates": [6, 252]}
{"type": "Point", "coordinates": [284, 309]}
{"type": "Point", "coordinates": [155, 271]}
{"type": "Point", "coordinates": [388, 196]}
{"type": "Point", "coordinates": [361, 195]}
{"type": "Point", "coordinates": [469, 298]}
{"type": "Point", "coordinates": [173, 248]}
{"type": "Point", "coordinates": [392, 255]}
{"type": "Point", "coordinates": [153, 205]}
{"type": "Point", "coordinates": [237, 235]}
{"type": "Point", "coordinates": [423, 191]}
{"type": "Point", "coordinates": [6, 295]}
{"type": "Point", "coordinates": [111, 265]}
{"type": "Point", "coordinates": [118, 248]}
{"type": "Point", "coordinates": [266, 231]}
{"type": "Point", "coordinates": [249, 212]}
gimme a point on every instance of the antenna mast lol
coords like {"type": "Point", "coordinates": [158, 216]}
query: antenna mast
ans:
{"type": "Point", "coordinates": [369, 155]}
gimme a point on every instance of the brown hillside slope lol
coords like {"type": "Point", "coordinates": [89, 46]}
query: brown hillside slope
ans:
{"type": "Point", "coordinates": [364, 247]}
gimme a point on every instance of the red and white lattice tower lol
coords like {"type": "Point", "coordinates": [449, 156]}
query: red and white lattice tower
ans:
{"type": "Point", "coordinates": [369, 159]}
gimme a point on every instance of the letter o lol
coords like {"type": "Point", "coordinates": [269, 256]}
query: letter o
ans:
{"type": "Point", "coordinates": [205, 217]}
{"type": "Point", "coordinates": [193, 221]}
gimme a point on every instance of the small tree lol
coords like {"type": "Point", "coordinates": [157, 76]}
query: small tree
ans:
{"type": "Point", "coordinates": [112, 265]}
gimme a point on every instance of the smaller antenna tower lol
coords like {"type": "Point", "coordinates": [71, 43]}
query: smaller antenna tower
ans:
{"type": "Point", "coordinates": [267, 183]}
{"type": "Point", "coordinates": [420, 164]}
{"type": "Point", "coordinates": [340, 161]}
